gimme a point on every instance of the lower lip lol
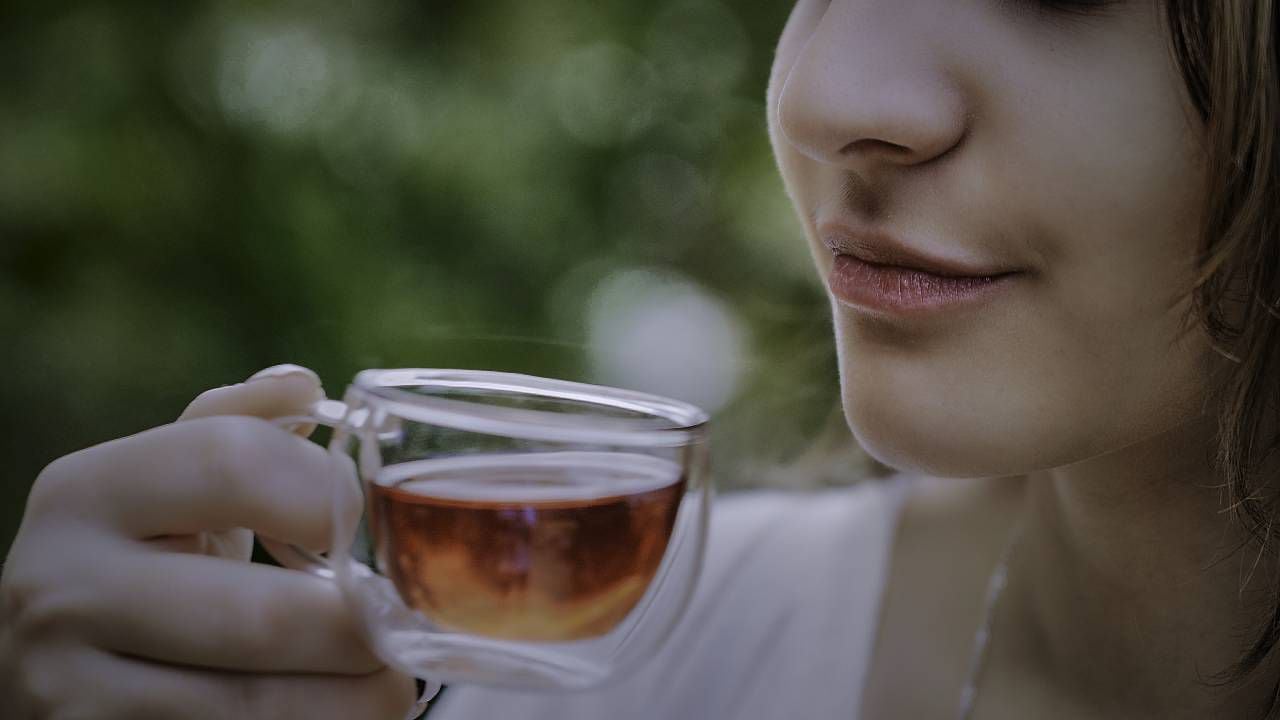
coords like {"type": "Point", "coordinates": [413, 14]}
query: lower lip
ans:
{"type": "Point", "coordinates": [888, 289]}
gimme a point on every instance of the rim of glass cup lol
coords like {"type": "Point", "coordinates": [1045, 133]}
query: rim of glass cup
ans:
{"type": "Point", "coordinates": [653, 421]}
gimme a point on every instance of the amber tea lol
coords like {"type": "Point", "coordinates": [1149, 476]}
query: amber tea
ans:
{"type": "Point", "coordinates": [545, 547]}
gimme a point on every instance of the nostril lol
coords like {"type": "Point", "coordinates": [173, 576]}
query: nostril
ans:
{"type": "Point", "coordinates": [874, 146]}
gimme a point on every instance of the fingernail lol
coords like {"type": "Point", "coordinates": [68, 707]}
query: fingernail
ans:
{"type": "Point", "coordinates": [279, 371]}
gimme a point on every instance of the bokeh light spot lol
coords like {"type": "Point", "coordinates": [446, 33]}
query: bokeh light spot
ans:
{"type": "Point", "coordinates": [663, 333]}
{"type": "Point", "coordinates": [274, 75]}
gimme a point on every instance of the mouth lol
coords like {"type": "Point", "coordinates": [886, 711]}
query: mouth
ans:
{"type": "Point", "coordinates": [876, 273]}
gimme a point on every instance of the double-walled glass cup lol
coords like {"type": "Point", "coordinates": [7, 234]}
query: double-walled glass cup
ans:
{"type": "Point", "coordinates": [518, 531]}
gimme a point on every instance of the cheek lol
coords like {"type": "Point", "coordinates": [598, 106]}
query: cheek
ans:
{"type": "Point", "coordinates": [805, 181]}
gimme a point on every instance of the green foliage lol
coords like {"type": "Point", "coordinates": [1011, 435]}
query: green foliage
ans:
{"type": "Point", "coordinates": [192, 191]}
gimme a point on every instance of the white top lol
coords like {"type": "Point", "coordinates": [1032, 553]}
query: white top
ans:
{"type": "Point", "coordinates": [782, 622]}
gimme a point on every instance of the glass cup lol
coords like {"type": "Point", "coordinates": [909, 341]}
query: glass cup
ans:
{"type": "Point", "coordinates": [517, 531]}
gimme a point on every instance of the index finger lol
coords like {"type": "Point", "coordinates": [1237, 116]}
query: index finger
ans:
{"type": "Point", "coordinates": [211, 474]}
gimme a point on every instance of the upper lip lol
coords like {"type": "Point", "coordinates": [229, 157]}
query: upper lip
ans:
{"type": "Point", "coordinates": [880, 248]}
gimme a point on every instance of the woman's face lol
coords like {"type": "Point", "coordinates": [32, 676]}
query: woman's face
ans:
{"type": "Point", "coordinates": [1044, 149]}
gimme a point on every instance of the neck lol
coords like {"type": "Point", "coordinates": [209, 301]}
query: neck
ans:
{"type": "Point", "coordinates": [1127, 586]}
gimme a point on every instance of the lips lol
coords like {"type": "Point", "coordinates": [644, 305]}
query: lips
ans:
{"type": "Point", "coordinates": [877, 273]}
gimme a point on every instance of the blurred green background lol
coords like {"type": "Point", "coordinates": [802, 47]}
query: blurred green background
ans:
{"type": "Point", "coordinates": [192, 191]}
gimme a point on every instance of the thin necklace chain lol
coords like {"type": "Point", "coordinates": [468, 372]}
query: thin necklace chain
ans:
{"type": "Point", "coordinates": [982, 637]}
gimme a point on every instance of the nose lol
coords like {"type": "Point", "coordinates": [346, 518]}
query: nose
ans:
{"type": "Point", "coordinates": [871, 87]}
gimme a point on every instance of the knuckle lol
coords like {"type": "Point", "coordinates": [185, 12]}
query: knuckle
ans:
{"type": "Point", "coordinates": [56, 484]}
{"type": "Point", "coordinates": [42, 617]}
{"type": "Point", "coordinates": [17, 588]}
{"type": "Point", "coordinates": [38, 687]}
{"type": "Point", "coordinates": [39, 614]}
{"type": "Point", "coordinates": [35, 604]}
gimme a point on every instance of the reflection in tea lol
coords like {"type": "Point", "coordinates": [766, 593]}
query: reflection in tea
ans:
{"type": "Point", "coordinates": [538, 547]}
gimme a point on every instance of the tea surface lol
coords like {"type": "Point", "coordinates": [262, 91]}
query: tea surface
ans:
{"type": "Point", "coordinates": [541, 547]}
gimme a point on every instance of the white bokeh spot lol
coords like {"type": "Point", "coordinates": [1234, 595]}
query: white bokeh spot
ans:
{"type": "Point", "coordinates": [663, 333]}
{"type": "Point", "coordinates": [278, 76]}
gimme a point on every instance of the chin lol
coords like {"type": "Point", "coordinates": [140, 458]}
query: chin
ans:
{"type": "Point", "coordinates": [928, 423]}
{"type": "Point", "coordinates": [944, 431]}
{"type": "Point", "coordinates": [1004, 392]}
{"type": "Point", "coordinates": [924, 446]}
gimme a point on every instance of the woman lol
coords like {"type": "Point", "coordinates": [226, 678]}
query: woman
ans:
{"type": "Point", "coordinates": [1049, 232]}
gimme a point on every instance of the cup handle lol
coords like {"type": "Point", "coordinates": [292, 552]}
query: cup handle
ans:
{"type": "Point", "coordinates": [333, 414]}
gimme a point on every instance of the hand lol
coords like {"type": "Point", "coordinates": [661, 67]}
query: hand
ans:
{"type": "Point", "coordinates": [128, 592]}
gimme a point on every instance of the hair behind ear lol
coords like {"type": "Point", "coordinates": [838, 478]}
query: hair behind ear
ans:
{"type": "Point", "coordinates": [1227, 53]}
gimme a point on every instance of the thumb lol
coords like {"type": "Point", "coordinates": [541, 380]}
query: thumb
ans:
{"type": "Point", "coordinates": [278, 391]}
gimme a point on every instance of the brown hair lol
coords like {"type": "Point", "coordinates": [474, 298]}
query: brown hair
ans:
{"type": "Point", "coordinates": [1228, 56]}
